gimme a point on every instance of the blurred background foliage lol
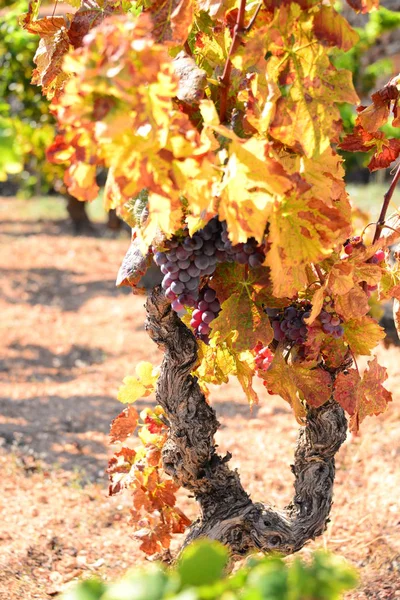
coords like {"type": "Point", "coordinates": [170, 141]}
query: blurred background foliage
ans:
{"type": "Point", "coordinates": [27, 128]}
{"type": "Point", "coordinates": [26, 125]}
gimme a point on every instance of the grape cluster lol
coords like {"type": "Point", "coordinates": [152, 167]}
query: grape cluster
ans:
{"type": "Point", "coordinates": [250, 253]}
{"type": "Point", "coordinates": [289, 325]}
{"type": "Point", "coordinates": [330, 321]}
{"type": "Point", "coordinates": [207, 308]}
{"type": "Point", "coordinates": [185, 262]}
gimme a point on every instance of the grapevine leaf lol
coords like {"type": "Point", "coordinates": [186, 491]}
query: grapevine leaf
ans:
{"type": "Point", "coordinates": [216, 363]}
{"type": "Point", "coordinates": [241, 316]}
{"type": "Point", "coordinates": [334, 30]}
{"type": "Point", "coordinates": [176, 519]}
{"type": "Point", "coordinates": [352, 304]}
{"type": "Point", "coordinates": [173, 20]}
{"type": "Point", "coordinates": [242, 296]}
{"type": "Point", "coordinates": [362, 334]}
{"type": "Point", "coordinates": [124, 425]}
{"type": "Point", "coordinates": [369, 273]}
{"type": "Point", "coordinates": [153, 540]}
{"type": "Point", "coordinates": [346, 391]}
{"type": "Point", "coordinates": [300, 232]}
{"type": "Point", "coordinates": [280, 380]}
{"type": "Point", "coordinates": [362, 396]}
{"type": "Point", "coordinates": [140, 386]}
{"type": "Point", "coordinates": [306, 118]}
{"type": "Point", "coordinates": [315, 385]}
{"type": "Point", "coordinates": [341, 278]}
{"type": "Point", "coordinates": [252, 180]}
{"type": "Point", "coordinates": [385, 151]}
{"type": "Point", "coordinates": [81, 181]}
{"type": "Point", "coordinates": [90, 14]}
{"type": "Point", "coordinates": [53, 46]}
{"type": "Point", "coordinates": [317, 304]}
{"type": "Point", "coordinates": [363, 6]}
{"type": "Point", "coordinates": [374, 116]}
{"type": "Point", "coordinates": [119, 470]}
{"type": "Point", "coordinates": [245, 374]}
{"type": "Point", "coordinates": [396, 315]}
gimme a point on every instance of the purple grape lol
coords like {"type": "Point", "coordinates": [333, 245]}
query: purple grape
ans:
{"type": "Point", "coordinates": [210, 295]}
{"type": "Point", "coordinates": [192, 284]}
{"type": "Point", "coordinates": [207, 316]}
{"type": "Point", "coordinates": [160, 258]}
{"type": "Point", "coordinates": [325, 317]}
{"type": "Point", "coordinates": [172, 267]}
{"type": "Point", "coordinates": [215, 306]}
{"type": "Point", "coordinates": [204, 329]}
{"type": "Point", "coordinates": [177, 306]}
{"type": "Point", "coordinates": [256, 260]}
{"type": "Point", "coordinates": [177, 287]}
{"type": "Point", "coordinates": [201, 262]}
{"type": "Point", "coordinates": [279, 335]}
{"type": "Point", "coordinates": [184, 276]}
{"type": "Point", "coordinates": [193, 270]}
{"type": "Point", "coordinates": [182, 254]}
{"type": "Point", "coordinates": [170, 294]}
{"type": "Point", "coordinates": [184, 264]}
{"type": "Point", "coordinates": [328, 328]}
{"type": "Point", "coordinates": [335, 321]}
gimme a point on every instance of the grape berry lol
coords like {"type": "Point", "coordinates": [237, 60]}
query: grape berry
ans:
{"type": "Point", "coordinates": [289, 325]}
{"type": "Point", "coordinates": [207, 309]}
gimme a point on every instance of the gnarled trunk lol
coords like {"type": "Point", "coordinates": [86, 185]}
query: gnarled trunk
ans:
{"type": "Point", "coordinates": [189, 456]}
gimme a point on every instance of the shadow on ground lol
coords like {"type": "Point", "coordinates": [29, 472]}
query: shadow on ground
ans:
{"type": "Point", "coordinates": [55, 287]}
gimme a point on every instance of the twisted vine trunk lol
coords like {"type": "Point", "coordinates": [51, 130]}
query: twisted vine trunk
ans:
{"type": "Point", "coordinates": [190, 458]}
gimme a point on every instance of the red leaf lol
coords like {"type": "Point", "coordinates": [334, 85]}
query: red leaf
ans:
{"type": "Point", "coordinates": [345, 392]}
{"type": "Point", "coordinates": [383, 159]}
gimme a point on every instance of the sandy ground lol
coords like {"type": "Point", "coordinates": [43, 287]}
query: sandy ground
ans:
{"type": "Point", "coordinates": [68, 337]}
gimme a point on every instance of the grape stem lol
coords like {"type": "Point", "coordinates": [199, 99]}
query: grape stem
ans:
{"type": "Point", "coordinates": [386, 201]}
{"type": "Point", "coordinates": [226, 75]}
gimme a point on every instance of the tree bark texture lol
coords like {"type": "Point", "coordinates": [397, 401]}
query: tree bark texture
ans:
{"type": "Point", "coordinates": [227, 513]}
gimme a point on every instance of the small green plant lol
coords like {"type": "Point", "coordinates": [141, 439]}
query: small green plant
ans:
{"type": "Point", "coordinates": [201, 575]}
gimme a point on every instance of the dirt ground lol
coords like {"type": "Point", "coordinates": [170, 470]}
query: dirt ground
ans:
{"type": "Point", "coordinates": [68, 337]}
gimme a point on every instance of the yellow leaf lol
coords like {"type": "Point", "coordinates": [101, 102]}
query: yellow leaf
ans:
{"type": "Point", "coordinates": [362, 334]}
{"type": "Point", "coordinates": [140, 386]}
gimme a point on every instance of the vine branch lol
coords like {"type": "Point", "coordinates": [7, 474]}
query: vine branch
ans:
{"type": "Point", "coordinates": [189, 456]}
{"type": "Point", "coordinates": [226, 75]}
{"type": "Point", "coordinates": [386, 201]}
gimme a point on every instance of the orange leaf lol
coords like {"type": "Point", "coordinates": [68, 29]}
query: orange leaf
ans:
{"type": "Point", "coordinates": [124, 425]}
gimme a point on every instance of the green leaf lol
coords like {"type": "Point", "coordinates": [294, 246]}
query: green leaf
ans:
{"type": "Point", "coordinates": [202, 563]}
{"type": "Point", "coordinates": [92, 589]}
{"type": "Point", "coordinates": [149, 585]}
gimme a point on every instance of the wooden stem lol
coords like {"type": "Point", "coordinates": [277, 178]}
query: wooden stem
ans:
{"type": "Point", "coordinates": [190, 457]}
{"type": "Point", "coordinates": [226, 75]}
{"type": "Point", "coordinates": [386, 201]}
